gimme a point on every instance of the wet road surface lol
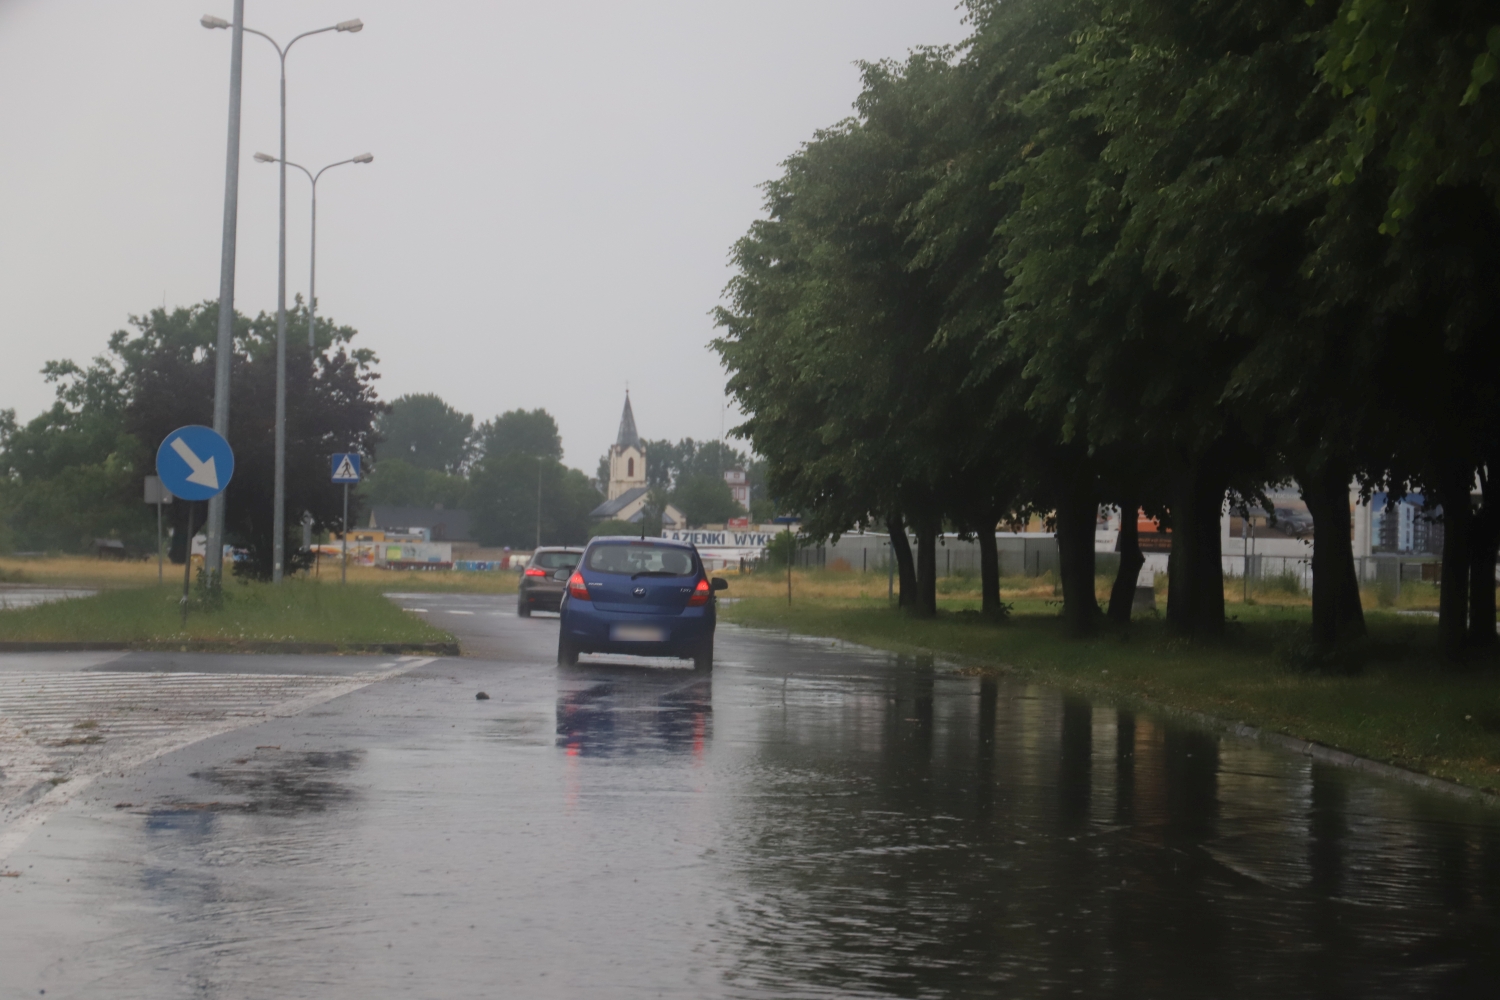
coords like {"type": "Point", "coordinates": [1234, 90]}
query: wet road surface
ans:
{"type": "Point", "coordinates": [813, 820]}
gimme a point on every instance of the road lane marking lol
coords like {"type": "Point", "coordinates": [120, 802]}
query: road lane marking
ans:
{"type": "Point", "coordinates": [58, 732]}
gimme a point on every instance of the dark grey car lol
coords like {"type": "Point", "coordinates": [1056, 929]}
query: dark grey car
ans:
{"type": "Point", "coordinates": [545, 579]}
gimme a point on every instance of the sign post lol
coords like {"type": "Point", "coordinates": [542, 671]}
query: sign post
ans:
{"type": "Point", "coordinates": [193, 463]}
{"type": "Point", "coordinates": [345, 471]}
{"type": "Point", "coordinates": [157, 493]}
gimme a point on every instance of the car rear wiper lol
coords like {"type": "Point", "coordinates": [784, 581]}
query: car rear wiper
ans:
{"type": "Point", "coordinates": [654, 572]}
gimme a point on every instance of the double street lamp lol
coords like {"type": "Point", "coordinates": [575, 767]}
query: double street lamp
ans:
{"type": "Point", "coordinates": [312, 277]}
{"type": "Point", "coordinates": [278, 542]}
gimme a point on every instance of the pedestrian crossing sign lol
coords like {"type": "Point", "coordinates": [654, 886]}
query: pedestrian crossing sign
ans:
{"type": "Point", "coordinates": [346, 467]}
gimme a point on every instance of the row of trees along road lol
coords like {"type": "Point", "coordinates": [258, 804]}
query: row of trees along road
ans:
{"type": "Point", "coordinates": [74, 473]}
{"type": "Point", "coordinates": [1148, 254]}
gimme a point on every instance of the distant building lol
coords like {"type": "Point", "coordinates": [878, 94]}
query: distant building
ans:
{"type": "Point", "coordinates": [739, 486]}
{"type": "Point", "coordinates": [436, 523]}
{"type": "Point", "coordinates": [627, 491]}
{"type": "Point", "coordinates": [627, 457]}
{"type": "Point", "coordinates": [1407, 525]}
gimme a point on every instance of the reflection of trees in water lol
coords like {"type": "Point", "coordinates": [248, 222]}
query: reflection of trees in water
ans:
{"type": "Point", "coordinates": [936, 835]}
{"type": "Point", "coordinates": [609, 711]}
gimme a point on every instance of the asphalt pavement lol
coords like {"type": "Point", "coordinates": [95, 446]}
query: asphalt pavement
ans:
{"type": "Point", "coordinates": [812, 819]}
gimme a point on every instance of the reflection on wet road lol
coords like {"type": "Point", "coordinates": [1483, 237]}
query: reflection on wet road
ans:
{"type": "Point", "coordinates": [813, 820]}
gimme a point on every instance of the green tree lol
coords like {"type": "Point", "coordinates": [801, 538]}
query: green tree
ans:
{"type": "Point", "coordinates": [523, 432]}
{"type": "Point", "coordinates": [1416, 145]}
{"type": "Point", "coordinates": [519, 474]}
{"type": "Point", "coordinates": [76, 471]}
{"type": "Point", "coordinates": [426, 433]}
{"type": "Point", "coordinates": [512, 494]}
{"type": "Point", "coordinates": [396, 482]}
{"type": "Point", "coordinates": [704, 498]}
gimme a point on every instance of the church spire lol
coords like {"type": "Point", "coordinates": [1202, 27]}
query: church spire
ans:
{"type": "Point", "coordinates": [628, 436]}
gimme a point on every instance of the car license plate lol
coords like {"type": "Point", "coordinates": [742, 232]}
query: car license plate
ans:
{"type": "Point", "coordinates": [637, 633]}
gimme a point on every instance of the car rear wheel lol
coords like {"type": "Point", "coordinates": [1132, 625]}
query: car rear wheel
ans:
{"type": "Point", "coordinates": [567, 653]}
{"type": "Point", "coordinates": [703, 659]}
{"type": "Point", "coordinates": [522, 608]}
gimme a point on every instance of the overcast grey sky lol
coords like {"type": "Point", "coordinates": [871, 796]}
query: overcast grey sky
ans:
{"type": "Point", "coordinates": [554, 192]}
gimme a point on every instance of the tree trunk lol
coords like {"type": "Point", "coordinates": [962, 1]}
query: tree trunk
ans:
{"type": "Point", "coordinates": [1208, 568]}
{"type": "Point", "coordinates": [1076, 516]}
{"type": "Point", "coordinates": [926, 605]}
{"type": "Point", "coordinates": [1195, 583]}
{"type": "Point", "coordinates": [989, 570]}
{"type": "Point", "coordinates": [1122, 596]}
{"type": "Point", "coordinates": [1336, 612]}
{"type": "Point", "coordinates": [1453, 481]}
{"type": "Point", "coordinates": [906, 571]}
{"type": "Point", "coordinates": [1484, 540]}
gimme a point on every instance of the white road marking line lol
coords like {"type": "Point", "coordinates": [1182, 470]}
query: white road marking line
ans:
{"type": "Point", "coordinates": [452, 612]}
{"type": "Point", "coordinates": [68, 729]}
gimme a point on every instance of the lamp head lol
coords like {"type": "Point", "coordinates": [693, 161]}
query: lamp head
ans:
{"type": "Point", "coordinates": [351, 26]}
{"type": "Point", "coordinates": [209, 21]}
{"type": "Point", "coordinates": [364, 158]}
{"type": "Point", "coordinates": [264, 158]}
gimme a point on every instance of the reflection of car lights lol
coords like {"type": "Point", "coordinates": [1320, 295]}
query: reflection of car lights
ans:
{"type": "Point", "coordinates": [577, 589]}
{"type": "Point", "coordinates": [700, 595]}
{"type": "Point", "coordinates": [533, 571]}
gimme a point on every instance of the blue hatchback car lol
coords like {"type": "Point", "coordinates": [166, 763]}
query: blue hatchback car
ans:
{"type": "Point", "coordinates": [643, 596]}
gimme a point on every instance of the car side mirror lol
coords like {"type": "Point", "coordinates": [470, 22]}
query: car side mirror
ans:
{"type": "Point", "coordinates": [718, 583]}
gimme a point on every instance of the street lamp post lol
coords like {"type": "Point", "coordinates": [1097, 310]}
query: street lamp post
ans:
{"type": "Point", "coordinates": [312, 277]}
{"type": "Point", "coordinates": [278, 541]}
{"type": "Point", "coordinates": [213, 555]}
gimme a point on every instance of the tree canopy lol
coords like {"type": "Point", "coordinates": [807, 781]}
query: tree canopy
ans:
{"type": "Point", "coordinates": [426, 433]}
{"type": "Point", "coordinates": [75, 472]}
{"type": "Point", "coordinates": [1141, 253]}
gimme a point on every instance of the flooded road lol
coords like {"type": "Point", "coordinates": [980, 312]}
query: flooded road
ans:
{"type": "Point", "coordinates": [813, 820]}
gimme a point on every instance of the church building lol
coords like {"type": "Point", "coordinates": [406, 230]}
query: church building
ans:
{"type": "Point", "coordinates": [626, 491]}
{"type": "Point", "coordinates": [627, 457]}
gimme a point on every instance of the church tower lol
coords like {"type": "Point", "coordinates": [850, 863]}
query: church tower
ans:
{"type": "Point", "coordinates": [627, 456]}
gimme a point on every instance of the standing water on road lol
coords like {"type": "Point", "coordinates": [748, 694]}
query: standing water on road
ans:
{"type": "Point", "coordinates": [811, 820]}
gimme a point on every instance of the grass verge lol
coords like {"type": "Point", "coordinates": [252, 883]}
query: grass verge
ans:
{"type": "Point", "coordinates": [297, 611]}
{"type": "Point", "coordinates": [1403, 709]}
{"type": "Point", "coordinates": [83, 571]}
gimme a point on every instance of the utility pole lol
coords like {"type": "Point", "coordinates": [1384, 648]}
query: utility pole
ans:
{"type": "Point", "coordinates": [344, 556]}
{"type": "Point", "coordinates": [539, 461]}
{"type": "Point", "coordinates": [213, 555]}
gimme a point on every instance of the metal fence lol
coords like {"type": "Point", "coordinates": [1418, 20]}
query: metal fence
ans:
{"type": "Point", "coordinates": [1036, 555]}
{"type": "Point", "coordinates": [1384, 571]}
{"type": "Point", "coordinates": [1020, 555]}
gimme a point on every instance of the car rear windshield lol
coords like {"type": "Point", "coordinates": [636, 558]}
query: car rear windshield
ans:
{"type": "Point", "coordinates": [631, 558]}
{"type": "Point", "coordinates": [556, 560]}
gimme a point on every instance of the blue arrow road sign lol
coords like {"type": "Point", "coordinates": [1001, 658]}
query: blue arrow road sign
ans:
{"type": "Point", "coordinates": [194, 462]}
{"type": "Point", "coordinates": [346, 467]}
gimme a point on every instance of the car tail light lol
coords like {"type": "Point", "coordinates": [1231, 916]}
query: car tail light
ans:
{"type": "Point", "coordinates": [577, 589]}
{"type": "Point", "coordinates": [700, 595]}
{"type": "Point", "coordinates": [534, 571]}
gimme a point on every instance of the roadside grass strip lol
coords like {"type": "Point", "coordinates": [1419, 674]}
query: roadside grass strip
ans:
{"type": "Point", "coordinates": [1403, 707]}
{"type": "Point", "coordinates": [961, 589]}
{"type": "Point", "coordinates": [84, 571]}
{"type": "Point", "coordinates": [296, 611]}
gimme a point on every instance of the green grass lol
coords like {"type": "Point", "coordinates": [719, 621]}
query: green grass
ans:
{"type": "Point", "coordinates": [1404, 707]}
{"type": "Point", "coordinates": [297, 611]}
